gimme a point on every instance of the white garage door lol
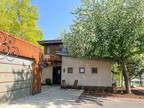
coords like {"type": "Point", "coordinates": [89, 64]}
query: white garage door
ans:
{"type": "Point", "coordinates": [15, 78]}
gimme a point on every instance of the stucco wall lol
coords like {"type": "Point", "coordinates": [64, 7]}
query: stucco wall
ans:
{"type": "Point", "coordinates": [102, 78]}
{"type": "Point", "coordinates": [46, 74]}
{"type": "Point", "coordinates": [15, 78]}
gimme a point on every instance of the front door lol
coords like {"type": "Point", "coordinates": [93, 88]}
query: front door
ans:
{"type": "Point", "coordinates": [57, 75]}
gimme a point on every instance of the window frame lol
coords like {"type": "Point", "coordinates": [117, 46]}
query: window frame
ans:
{"type": "Point", "coordinates": [47, 50]}
{"type": "Point", "coordinates": [80, 70]}
{"type": "Point", "coordinates": [68, 70]}
{"type": "Point", "coordinates": [94, 70]}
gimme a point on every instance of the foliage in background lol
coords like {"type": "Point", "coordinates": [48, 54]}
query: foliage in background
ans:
{"type": "Point", "coordinates": [19, 17]}
{"type": "Point", "coordinates": [135, 67]}
{"type": "Point", "coordinates": [108, 28]}
{"type": "Point", "coordinates": [117, 75]}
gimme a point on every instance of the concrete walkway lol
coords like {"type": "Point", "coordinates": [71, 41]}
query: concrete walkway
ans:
{"type": "Point", "coordinates": [51, 97]}
{"type": "Point", "coordinates": [54, 97]}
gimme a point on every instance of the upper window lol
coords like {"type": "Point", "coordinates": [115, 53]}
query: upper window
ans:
{"type": "Point", "coordinates": [47, 50]}
{"type": "Point", "coordinates": [70, 70]}
{"type": "Point", "coordinates": [94, 70]}
{"type": "Point", "coordinates": [81, 70]}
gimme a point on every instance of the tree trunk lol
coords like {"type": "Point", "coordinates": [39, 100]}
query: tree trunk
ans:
{"type": "Point", "coordinates": [126, 77]}
{"type": "Point", "coordinates": [122, 80]}
{"type": "Point", "coordinates": [140, 77]}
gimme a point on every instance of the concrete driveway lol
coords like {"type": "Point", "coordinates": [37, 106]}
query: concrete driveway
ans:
{"type": "Point", "coordinates": [51, 97]}
{"type": "Point", "coordinates": [94, 102]}
{"type": "Point", "coordinates": [54, 97]}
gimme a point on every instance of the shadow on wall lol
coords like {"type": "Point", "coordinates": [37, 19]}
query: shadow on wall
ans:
{"type": "Point", "coordinates": [20, 86]}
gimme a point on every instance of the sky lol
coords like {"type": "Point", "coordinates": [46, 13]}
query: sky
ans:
{"type": "Point", "coordinates": [55, 16]}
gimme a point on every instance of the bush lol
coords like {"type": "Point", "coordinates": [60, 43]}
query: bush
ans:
{"type": "Point", "coordinates": [114, 84]}
{"type": "Point", "coordinates": [48, 81]}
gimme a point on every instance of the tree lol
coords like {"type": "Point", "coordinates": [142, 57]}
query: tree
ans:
{"type": "Point", "coordinates": [19, 17]}
{"type": "Point", "coordinates": [135, 68]}
{"type": "Point", "coordinates": [108, 28]}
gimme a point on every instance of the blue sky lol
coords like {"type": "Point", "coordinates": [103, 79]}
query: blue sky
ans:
{"type": "Point", "coordinates": [55, 16]}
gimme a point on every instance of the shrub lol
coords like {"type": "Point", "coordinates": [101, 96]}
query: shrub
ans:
{"type": "Point", "coordinates": [48, 81]}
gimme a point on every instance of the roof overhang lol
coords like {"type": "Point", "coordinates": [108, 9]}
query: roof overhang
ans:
{"type": "Point", "coordinates": [93, 58]}
{"type": "Point", "coordinates": [50, 42]}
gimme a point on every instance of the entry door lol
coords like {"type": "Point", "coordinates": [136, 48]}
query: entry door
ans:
{"type": "Point", "coordinates": [56, 75]}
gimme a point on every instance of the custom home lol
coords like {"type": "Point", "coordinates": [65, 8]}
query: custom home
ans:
{"type": "Point", "coordinates": [23, 68]}
{"type": "Point", "coordinates": [60, 68]}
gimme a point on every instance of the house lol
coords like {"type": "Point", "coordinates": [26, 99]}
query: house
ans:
{"type": "Point", "coordinates": [62, 67]}
{"type": "Point", "coordinates": [89, 73]}
{"type": "Point", "coordinates": [52, 61]}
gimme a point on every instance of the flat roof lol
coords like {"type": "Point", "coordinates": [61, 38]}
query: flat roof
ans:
{"type": "Point", "coordinates": [50, 42]}
{"type": "Point", "coordinates": [63, 54]}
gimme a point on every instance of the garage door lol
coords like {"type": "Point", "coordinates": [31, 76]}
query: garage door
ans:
{"type": "Point", "coordinates": [15, 78]}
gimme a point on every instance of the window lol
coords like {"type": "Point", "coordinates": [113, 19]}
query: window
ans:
{"type": "Point", "coordinates": [64, 50]}
{"type": "Point", "coordinates": [47, 50]}
{"type": "Point", "coordinates": [81, 70]}
{"type": "Point", "coordinates": [94, 70]}
{"type": "Point", "coordinates": [70, 70]}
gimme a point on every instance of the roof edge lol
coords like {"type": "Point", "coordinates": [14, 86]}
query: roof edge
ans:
{"type": "Point", "coordinates": [94, 58]}
{"type": "Point", "coordinates": [48, 42]}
